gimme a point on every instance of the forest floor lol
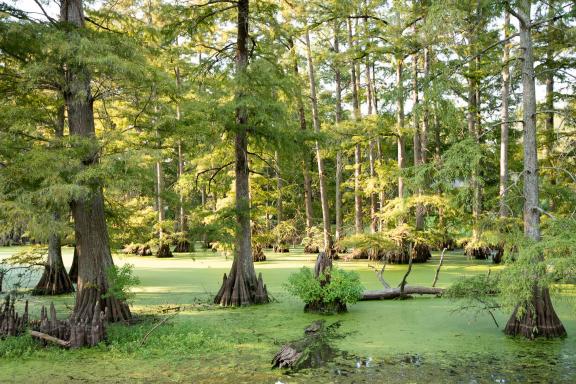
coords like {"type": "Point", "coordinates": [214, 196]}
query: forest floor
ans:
{"type": "Point", "coordinates": [420, 340]}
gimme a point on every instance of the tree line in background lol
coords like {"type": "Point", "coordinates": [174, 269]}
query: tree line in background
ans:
{"type": "Point", "coordinates": [393, 127]}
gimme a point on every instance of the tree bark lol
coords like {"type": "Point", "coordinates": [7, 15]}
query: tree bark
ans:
{"type": "Point", "coordinates": [279, 184]}
{"type": "Point", "coordinates": [371, 144]}
{"type": "Point", "coordinates": [474, 180]}
{"type": "Point", "coordinates": [426, 118]}
{"type": "Point", "coordinates": [182, 224]}
{"type": "Point", "coordinates": [94, 257]}
{"type": "Point", "coordinates": [417, 138]}
{"type": "Point", "coordinates": [358, 225]}
{"type": "Point", "coordinates": [473, 120]}
{"type": "Point", "coordinates": [400, 125]}
{"type": "Point", "coordinates": [549, 101]}
{"type": "Point", "coordinates": [504, 115]}
{"type": "Point", "coordinates": [539, 319]}
{"type": "Point", "coordinates": [338, 118]}
{"type": "Point", "coordinates": [305, 154]}
{"type": "Point", "coordinates": [321, 174]}
{"type": "Point", "coordinates": [242, 287]}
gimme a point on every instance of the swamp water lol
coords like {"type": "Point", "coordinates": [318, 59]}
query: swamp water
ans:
{"type": "Point", "coordinates": [412, 341]}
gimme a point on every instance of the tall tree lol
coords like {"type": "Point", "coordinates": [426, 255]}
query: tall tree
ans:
{"type": "Point", "coordinates": [321, 173]}
{"type": "Point", "coordinates": [94, 257]}
{"type": "Point", "coordinates": [306, 156]}
{"type": "Point", "coordinates": [337, 120]}
{"type": "Point", "coordinates": [242, 287]}
{"type": "Point", "coordinates": [354, 76]}
{"type": "Point", "coordinates": [504, 116]}
{"type": "Point", "coordinates": [538, 317]}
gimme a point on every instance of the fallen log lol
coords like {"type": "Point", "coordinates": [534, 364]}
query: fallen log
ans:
{"type": "Point", "coordinates": [51, 339]}
{"type": "Point", "coordinates": [394, 293]}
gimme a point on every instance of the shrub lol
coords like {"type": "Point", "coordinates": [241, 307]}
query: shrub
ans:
{"type": "Point", "coordinates": [121, 280]}
{"type": "Point", "coordinates": [344, 286]}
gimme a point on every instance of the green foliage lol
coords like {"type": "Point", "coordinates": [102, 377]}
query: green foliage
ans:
{"type": "Point", "coordinates": [121, 281]}
{"type": "Point", "coordinates": [343, 285]}
{"type": "Point", "coordinates": [285, 232]}
{"type": "Point", "coordinates": [472, 287]}
{"type": "Point", "coordinates": [314, 237]}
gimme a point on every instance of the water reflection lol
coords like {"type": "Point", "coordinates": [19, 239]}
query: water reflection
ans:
{"type": "Point", "coordinates": [442, 367]}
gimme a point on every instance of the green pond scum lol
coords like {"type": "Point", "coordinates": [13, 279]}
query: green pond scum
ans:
{"type": "Point", "coordinates": [422, 340]}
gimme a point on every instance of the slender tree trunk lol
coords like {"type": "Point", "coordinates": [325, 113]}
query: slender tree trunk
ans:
{"type": "Point", "coordinates": [358, 224]}
{"type": "Point", "coordinates": [373, 195]}
{"type": "Point", "coordinates": [374, 89]}
{"type": "Point", "coordinates": [539, 319]}
{"type": "Point", "coordinates": [426, 117]}
{"type": "Point", "coordinates": [159, 176]}
{"type": "Point", "coordinates": [305, 162]}
{"type": "Point", "coordinates": [163, 246]}
{"type": "Point", "coordinates": [400, 125]}
{"type": "Point", "coordinates": [549, 101]}
{"type": "Point", "coordinates": [94, 257]}
{"type": "Point", "coordinates": [473, 122]}
{"type": "Point", "coordinates": [437, 137]}
{"type": "Point", "coordinates": [321, 174]}
{"type": "Point", "coordinates": [279, 185]}
{"type": "Point", "coordinates": [181, 213]}
{"type": "Point", "coordinates": [338, 118]}
{"type": "Point", "coordinates": [504, 127]}
{"type": "Point", "coordinates": [182, 225]}
{"type": "Point", "coordinates": [242, 287]}
{"type": "Point", "coordinates": [371, 144]}
{"type": "Point", "coordinates": [474, 181]}
{"type": "Point", "coordinates": [417, 138]}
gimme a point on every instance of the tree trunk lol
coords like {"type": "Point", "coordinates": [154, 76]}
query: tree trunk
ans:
{"type": "Point", "coordinates": [183, 244]}
{"type": "Point", "coordinates": [358, 225]}
{"type": "Point", "coordinates": [94, 257]}
{"type": "Point", "coordinates": [242, 287]}
{"type": "Point", "coordinates": [55, 279]}
{"type": "Point", "coordinates": [73, 273]}
{"type": "Point", "coordinates": [321, 175]}
{"type": "Point", "coordinates": [504, 127]}
{"type": "Point", "coordinates": [539, 318]}
{"type": "Point", "coordinates": [549, 101]}
{"type": "Point", "coordinates": [279, 207]}
{"type": "Point", "coordinates": [305, 161]}
{"type": "Point", "coordinates": [371, 145]}
{"type": "Point", "coordinates": [417, 138]}
{"type": "Point", "coordinates": [338, 118]}
{"type": "Point", "coordinates": [373, 196]}
{"type": "Point", "coordinates": [437, 137]}
{"type": "Point", "coordinates": [400, 125]}
{"type": "Point", "coordinates": [182, 225]}
{"type": "Point", "coordinates": [426, 117]}
{"type": "Point", "coordinates": [474, 180]}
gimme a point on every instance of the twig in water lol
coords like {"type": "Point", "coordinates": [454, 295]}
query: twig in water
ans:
{"type": "Point", "coordinates": [403, 283]}
{"type": "Point", "coordinates": [438, 268]}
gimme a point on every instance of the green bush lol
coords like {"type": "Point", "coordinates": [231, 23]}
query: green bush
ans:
{"type": "Point", "coordinates": [121, 281]}
{"type": "Point", "coordinates": [344, 286]}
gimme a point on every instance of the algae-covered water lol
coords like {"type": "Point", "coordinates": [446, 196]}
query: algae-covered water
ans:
{"type": "Point", "coordinates": [422, 340]}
